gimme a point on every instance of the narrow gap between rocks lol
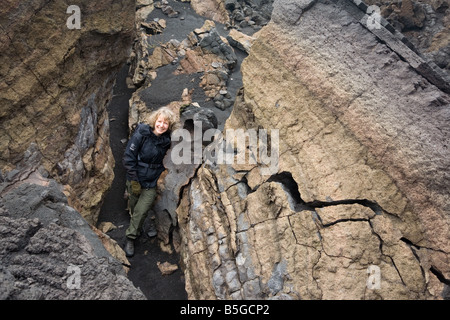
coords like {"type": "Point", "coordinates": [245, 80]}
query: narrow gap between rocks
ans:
{"type": "Point", "coordinates": [143, 272]}
{"type": "Point", "coordinates": [167, 87]}
{"type": "Point", "coordinates": [290, 186]}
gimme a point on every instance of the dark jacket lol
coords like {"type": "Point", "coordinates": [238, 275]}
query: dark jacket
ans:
{"type": "Point", "coordinates": [143, 158]}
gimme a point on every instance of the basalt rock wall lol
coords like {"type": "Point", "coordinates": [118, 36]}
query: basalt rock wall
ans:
{"type": "Point", "coordinates": [49, 252]}
{"type": "Point", "coordinates": [358, 205]}
{"type": "Point", "coordinates": [57, 79]}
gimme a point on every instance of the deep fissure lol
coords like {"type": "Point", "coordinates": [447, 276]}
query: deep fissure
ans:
{"type": "Point", "coordinates": [289, 184]}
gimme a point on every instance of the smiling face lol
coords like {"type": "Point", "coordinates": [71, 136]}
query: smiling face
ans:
{"type": "Point", "coordinates": [161, 125]}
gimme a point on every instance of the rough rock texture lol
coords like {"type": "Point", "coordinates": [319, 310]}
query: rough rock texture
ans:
{"type": "Point", "coordinates": [249, 13]}
{"type": "Point", "coordinates": [55, 85]}
{"type": "Point", "coordinates": [359, 207]}
{"type": "Point", "coordinates": [55, 158]}
{"type": "Point", "coordinates": [235, 13]}
{"type": "Point", "coordinates": [212, 9]}
{"type": "Point", "coordinates": [48, 251]}
{"type": "Point", "coordinates": [425, 23]}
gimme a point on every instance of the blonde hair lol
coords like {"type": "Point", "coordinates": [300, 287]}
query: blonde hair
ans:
{"type": "Point", "coordinates": [166, 113]}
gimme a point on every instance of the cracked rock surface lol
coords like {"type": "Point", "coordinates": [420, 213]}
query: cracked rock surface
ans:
{"type": "Point", "coordinates": [56, 83]}
{"type": "Point", "coordinates": [48, 251]}
{"type": "Point", "coordinates": [55, 157]}
{"type": "Point", "coordinates": [361, 182]}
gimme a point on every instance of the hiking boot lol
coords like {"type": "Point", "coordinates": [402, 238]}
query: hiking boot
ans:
{"type": "Point", "coordinates": [152, 232]}
{"type": "Point", "coordinates": [129, 248]}
{"type": "Point", "coordinates": [152, 229]}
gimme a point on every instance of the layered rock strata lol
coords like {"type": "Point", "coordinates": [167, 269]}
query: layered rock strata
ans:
{"type": "Point", "coordinates": [59, 64]}
{"type": "Point", "coordinates": [357, 207]}
{"type": "Point", "coordinates": [59, 67]}
{"type": "Point", "coordinates": [425, 23]}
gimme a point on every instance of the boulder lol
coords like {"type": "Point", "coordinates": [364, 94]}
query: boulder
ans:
{"type": "Point", "coordinates": [48, 251]}
{"type": "Point", "coordinates": [211, 9]}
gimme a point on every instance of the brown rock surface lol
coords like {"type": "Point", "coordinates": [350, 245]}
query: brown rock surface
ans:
{"type": "Point", "coordinates": [56, 84]}
{"type": "Point", "coordinates": [212, 9]}
{"type": "Point", "coordinates": [362, 179]}
{"type": "Point", "coordinates": [55, 157]}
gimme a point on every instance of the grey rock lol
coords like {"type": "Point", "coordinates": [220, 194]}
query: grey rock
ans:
{"type": "Point", "coordinates": [204, 115]}
{"type": "Point", "coordinates": [213, 43]}
{"type": "Point", "coordinates": [48, 251]}
{"type": "Point", "coordinates": [290, 11]}
{"type": "Point", "coordinates": [276, 281]}
{"type": "Point", "coordinates": [230, 4]}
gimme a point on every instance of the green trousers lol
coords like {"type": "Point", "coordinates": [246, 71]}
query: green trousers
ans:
{"type": "Point", "coordinates": [139, 207]}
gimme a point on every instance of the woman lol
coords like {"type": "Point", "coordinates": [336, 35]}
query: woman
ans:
{"type": "Point", "coordinates": [143, 162]}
